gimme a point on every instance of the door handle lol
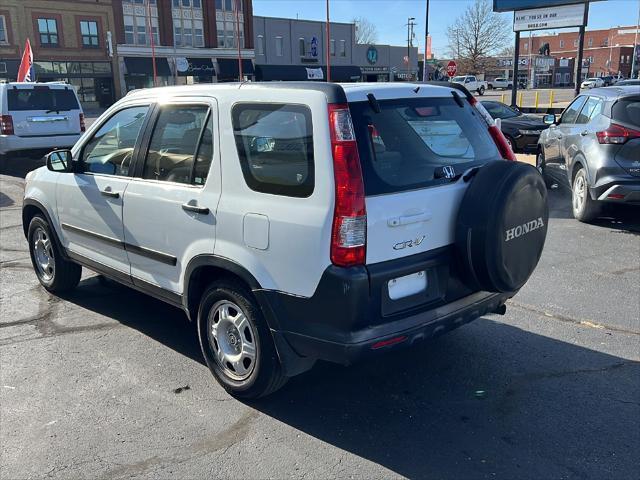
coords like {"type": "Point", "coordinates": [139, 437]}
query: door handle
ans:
{"type": "Point", "coordinates": [584, 133]}
{"type": "Point", "coordinates": [195, 208]}
{"type": "Point", "coordinates": [408, 219]}
{"type": "Point", "coordinates": [107, 192]}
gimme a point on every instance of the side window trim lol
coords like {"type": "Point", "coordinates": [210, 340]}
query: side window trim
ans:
{"type": "Point", "coordinates": [143, 145]}
{"type": "Point", "coordinates": [205, 124]}
{"type": "Point", "coordinates": [80, 158]}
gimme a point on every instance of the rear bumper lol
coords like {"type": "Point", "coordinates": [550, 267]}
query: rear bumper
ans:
{"type": "Point", "coordinates": [351, 316]}
{"type": "Point", "coordinates": [619, 188]}
{"type": "Point", "coordinates": [13, 143]}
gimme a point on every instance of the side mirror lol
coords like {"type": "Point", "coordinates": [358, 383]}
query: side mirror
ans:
{"type": "Point", "coordinates": [59, 161]}
{"type": "Point", "coordinates": [549, 119]}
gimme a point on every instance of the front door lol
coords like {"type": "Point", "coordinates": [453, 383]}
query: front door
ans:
{"type": "Point", "coordinates": [90, 201]}
{"type": "Point", "coordinates": [170, 205]}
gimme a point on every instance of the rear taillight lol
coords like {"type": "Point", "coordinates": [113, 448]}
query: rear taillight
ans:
{"type": "Point", "coordinates": [82, 124]}
{"type": "Point", "coordinates": [6, 125]}
{"type": "Point", "coordinates": [616, 134]}
{"type": "Point", "coordinates": [349, 232]}
{"type": "Point", "coordinates": [499, 139]}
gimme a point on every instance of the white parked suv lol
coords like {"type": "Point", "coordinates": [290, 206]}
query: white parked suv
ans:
{"type": "Point", "coordinates": [294, 221]}
{"type": "Point", "coordinates": [39, 116]}
{"type": "Point", "coordinates": [500, 82]}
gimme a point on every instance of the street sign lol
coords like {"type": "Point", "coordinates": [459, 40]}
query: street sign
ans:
{"type": "Point", "coordinates": [511, 5]}
{"type": "Point", "coordinates": [452, 68]}
{"type": "Point", "coordinates": [550, 17]}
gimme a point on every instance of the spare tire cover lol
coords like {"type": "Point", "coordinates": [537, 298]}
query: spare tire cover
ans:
{"type": "Point", "coordinates": [502, 226]}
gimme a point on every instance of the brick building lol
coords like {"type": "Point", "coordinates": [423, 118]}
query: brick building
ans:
{"type": "Point", "coordinates": [606, 52]}
{"type": "Point", "coordinates": [194, 41]}
{"type": "Point", "coordinates": [69, 43]}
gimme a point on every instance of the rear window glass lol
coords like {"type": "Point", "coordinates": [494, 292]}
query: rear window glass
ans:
{"type": "Point", "coordinates": [408, 144]}
{"type": "Point", "coordinates": [41, 98]}
{"type": "Point", "coordinates": [275, 147]}
{"type": "Point", "coordinates": [627, 111]}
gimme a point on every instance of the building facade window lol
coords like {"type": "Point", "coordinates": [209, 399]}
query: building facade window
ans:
{"type": "Point", "coordinates": [226, 23]}
{"type": "Point", "coordinates": [188, 26]}
{"type": "Point", "coordinates": [332, 47]}
{"type": "Point", "coordinates": [590, 42]}
{"type": "Point", "coordinates": [575, 42]}
{"type": "Point", "coordinates": [302, 47]}
{"type": "Point", "coordinates": [343, 48]}
{"type": "Point", "coordinates": [605, 42]}
{"type": "Point", "coordinates": [279, 45]}
{"type": "Point", "coordinates": [526, 46]}
{"type": "Point", "coordinates": [89, 33]}
{"type": "Point", "coordinates": [260, 45]}
{"type": "Point", "coordinates": [561, 43]}
{"type": "Point", "coordinates": [136, 27]}
{"type": "Point", "coordinates": [4, 35]}
{"type": "Point", "coordinates": [48, 31]}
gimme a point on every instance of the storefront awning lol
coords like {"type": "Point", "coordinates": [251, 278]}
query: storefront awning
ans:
{"type": "Point", "coordinates": [339, 73]}
{"type": "Point", "coordinates": [228, 68]}
{"type": "Point", "coordinates": [144, 66]}
{"type": "Point", "coordinates": [195, 67]}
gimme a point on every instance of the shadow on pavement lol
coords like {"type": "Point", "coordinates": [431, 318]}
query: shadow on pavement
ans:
{"type": "Point", "coordinates": [486, 401]}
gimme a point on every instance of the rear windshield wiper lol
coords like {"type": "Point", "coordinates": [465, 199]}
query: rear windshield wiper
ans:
{"type": "Point", "coordinates": [58, 110]}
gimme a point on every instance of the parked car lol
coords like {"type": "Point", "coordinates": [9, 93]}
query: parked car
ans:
{"type": "Point", "coordinates": [592, 82]}
{"type": "Point", "coordinates": [608, 80]}
{"type": "Point", "coordinates": [499, 83]}
{"type": "Point", "coordinates": [38, 116]}
{"type": "Point", "coordinates": [294, 221]}
{"type": "Point", "coordinates": [628, 82]}
{"type": "Point", "coordinates": [471, 83]}
{"type": "Point", "coordinates": [595, 148]}
{"type": "Point", "coordinates": [521, 131]}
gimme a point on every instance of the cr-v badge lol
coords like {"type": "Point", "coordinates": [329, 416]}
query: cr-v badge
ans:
{"type": "Point", "coordinates": [409, 243]}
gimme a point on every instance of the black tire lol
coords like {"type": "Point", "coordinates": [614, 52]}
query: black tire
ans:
{"type": "Point", "coordinates": [490, 86]}
{"type": "Point", "coordinates": [61, 275]}
{"type": "Point", "coordinates": [481, 91]}
{"type": "Point", "coordinates": [584, 208]}
{"type": "Point", "coordinates": [501, 227]}
{"type": "Point", "coordinates": [265, 375]}
{"type": "Point", "coordinates": [541, 166]}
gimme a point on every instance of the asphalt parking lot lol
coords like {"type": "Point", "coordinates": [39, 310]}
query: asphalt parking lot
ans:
{"type": "Point", "coordinates": [109, 383]}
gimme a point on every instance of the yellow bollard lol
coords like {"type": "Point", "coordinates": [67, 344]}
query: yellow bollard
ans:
{"type": "Point", "coordinates": [537, 99]}
{"type": "Point", "coordinates": [502, 98]}
{"type": "Point", "coordinates": [520, 100]}
{"type": "Point", "coordinates": [551, 99]}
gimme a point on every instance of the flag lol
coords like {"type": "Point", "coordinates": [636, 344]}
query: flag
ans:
{"type": "Point", "coordinates": [25, 72]}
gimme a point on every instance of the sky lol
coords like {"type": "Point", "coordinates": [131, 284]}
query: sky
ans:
{"type": "Point", "coordinates": [390, 16]}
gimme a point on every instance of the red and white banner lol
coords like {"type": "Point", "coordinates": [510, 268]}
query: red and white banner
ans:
{"type": "Point", "coordinates": [25, 72]}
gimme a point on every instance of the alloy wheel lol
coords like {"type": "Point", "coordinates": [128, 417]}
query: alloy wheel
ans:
{"type": "Point", "coordinates": [43, 253]}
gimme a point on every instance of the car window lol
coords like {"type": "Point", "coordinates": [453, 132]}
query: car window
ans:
{"type": "Point", "coordinates": [406, 143]}
{"type": "Point", "coordinates": [498, 110]}
{"type": "Point", "coordinates": [41, 98]}
{"type": "Point", "coordinates": [571, 112]}
{"type": "Point", "coordinates": [592, 107]}
{"type": "Point", "coordinates": [275, 147]}
{"type": "Point", "coordinates": [627, 110]}
{"type": "Point", "coordinates": [174, 143]}
{"type": "Point", "coordinates": [110, 149]}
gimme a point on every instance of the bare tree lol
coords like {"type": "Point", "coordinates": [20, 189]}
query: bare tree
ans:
{"type": "Point", "coordinates": [477, 34]}
{"type": "Point", "coordinates": [366, 32]}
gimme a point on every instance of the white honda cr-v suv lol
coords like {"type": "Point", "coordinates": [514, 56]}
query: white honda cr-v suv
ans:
{"type": "Point", "coordinates": [294, 221]}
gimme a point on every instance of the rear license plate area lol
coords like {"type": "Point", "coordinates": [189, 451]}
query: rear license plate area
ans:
{"type": "Point", "coordinates": [413, 290]}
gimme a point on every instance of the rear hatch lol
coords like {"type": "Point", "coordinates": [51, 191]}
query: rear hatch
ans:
{"type": "Point", "coordinates": [413, 152]}
{"type": "Point", "coordinates": [626, 113]}
{"type": "Point", "coordinates": [44, 110]}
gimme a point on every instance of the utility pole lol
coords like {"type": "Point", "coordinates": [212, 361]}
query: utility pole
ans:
{"type": "Point", "coordinates": [327, 46]}
{"type": "Point", "coordinates": [578, 65]}
{"type": "Point", "coordinates": [410, 25]}
{"type": "Point", "coordinates": [635, 45]}
{"type": "Point", "coordinates": [425, 66]}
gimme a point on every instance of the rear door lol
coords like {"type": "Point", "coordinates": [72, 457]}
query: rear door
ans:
{"type": "Point", "coordinates": [555, 139]}
{"type": "Point", "coordinates": [170, 205]}
{"type": "Point", "coordinates": [43, 110]}
{"type": "Point", "coordinates": [413, 153]}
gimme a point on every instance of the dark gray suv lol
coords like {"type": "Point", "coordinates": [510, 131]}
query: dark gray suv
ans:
{"type": "Point", "coordinates": [595, 147]}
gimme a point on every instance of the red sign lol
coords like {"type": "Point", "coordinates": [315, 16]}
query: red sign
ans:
{"type": "Point", "coordinates": [452, 68]}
